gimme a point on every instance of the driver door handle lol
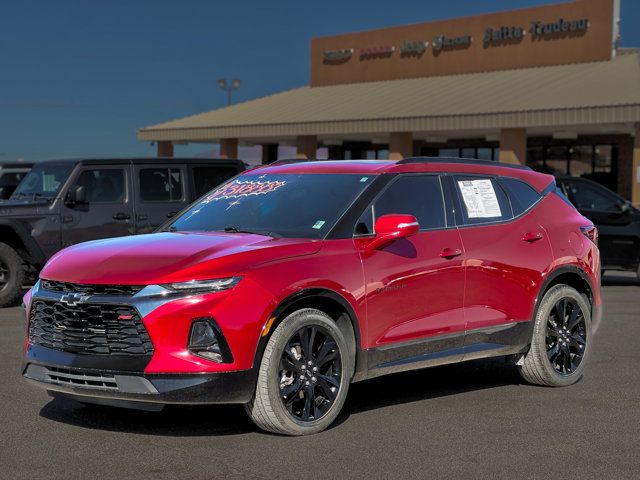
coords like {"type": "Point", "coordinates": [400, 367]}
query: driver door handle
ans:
{"type": "Point", "coordinates": [121, 216]}
{"type": "Point", "coordinates": [532, 237]}
{"type": "Point", "coordinates": [450, 253]}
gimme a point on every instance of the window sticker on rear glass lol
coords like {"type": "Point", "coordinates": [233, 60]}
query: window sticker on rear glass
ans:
{"type": "Point", "coordinates": [244, 188]}
{"type": "Point", "coordinates": [480, 198]}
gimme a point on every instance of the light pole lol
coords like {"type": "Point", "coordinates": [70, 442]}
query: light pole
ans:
{"type": "Point", "coordinates": [229, 87]}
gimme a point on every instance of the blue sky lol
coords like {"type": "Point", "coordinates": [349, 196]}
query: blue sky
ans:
{"type": "Point", "coordinates": [79, 77]}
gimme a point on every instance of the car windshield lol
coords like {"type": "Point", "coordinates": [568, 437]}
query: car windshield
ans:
{"type": "Point", "coordinates": [286, 205]}
{"type": "Point", "coordinates": [42, 181]}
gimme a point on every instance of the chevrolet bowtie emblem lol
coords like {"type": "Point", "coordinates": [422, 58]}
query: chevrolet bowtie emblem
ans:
{"type": "Point", "coordinates": [73, 299]}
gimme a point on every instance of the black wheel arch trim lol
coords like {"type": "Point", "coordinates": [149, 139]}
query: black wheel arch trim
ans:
{"type": "Point", "coordinates": [305, 295]}
{"type": "Point", "coordinates": [554, 274]}
{"type": "Point", "coordinates": [36, 255]}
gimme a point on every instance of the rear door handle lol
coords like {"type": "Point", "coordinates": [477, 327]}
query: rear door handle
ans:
{"type": "Point", "coordinates": [531, 237]}
{"type": "Point", "coordinates": [449, 253]}
{"type": "Point", "coordinates": [171, 214]}
{"type": "Point", "coordinates": [121, 216]}
{"type": "Point", "coordinates": [142, 217]}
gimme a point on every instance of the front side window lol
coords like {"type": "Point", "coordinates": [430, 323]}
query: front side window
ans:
{"type": "Point", "coordinates": [103, 185]}
{"type": "Point", "coordinates": [589, 197]}
{"type": "Point", "coordinates": [417, 195]}
{"type": "Point", "coordinates": [43, 181]}
{"type": "Point", "coordinates": [161, 185]}
{"type": "Point", "coordinates": [482, 199]}
{"type": "Point", "coordinates": [289, 205]}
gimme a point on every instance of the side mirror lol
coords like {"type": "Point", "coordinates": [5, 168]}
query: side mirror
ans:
{"type": "Point", "coordinates": [393, 227]}
{"type": "Point", "coordinates": [76, 196]}
{"type": "Point", "coordinates": [624, 207]}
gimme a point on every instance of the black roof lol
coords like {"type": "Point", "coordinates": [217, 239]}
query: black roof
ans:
{"type": "Point", "coordinates": [144, 160]}
{"type": "Point", "coordinates": [16, 164]}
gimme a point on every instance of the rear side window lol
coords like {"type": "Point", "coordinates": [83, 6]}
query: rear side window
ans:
{"type": "Point", "coordinates": [161, 185]}
{"type": "Point", "coordinates": [206, 178]}
{"type": "Point", "coordinates": [521, 194]}
{"type": "Point", "coordinates": [417, 195]}
{"type": "Point", "coordinates": [482, 199]}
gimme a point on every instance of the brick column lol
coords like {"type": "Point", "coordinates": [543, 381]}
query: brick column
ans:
{"type": "Point", "coordinates": [269, 153]}
{"type": "Point", "coordinates": [400, 145]}
{"type": "Point", "coordinates": [228, 148]}
{"type": "Point", "coordinates": [165, 149]}
{"type": "Point", "coordinates": [513, 145]}
{"type": "Point", "coordinates": [635, 171]}
{"type": "Point", "coordinates": [307, 146]}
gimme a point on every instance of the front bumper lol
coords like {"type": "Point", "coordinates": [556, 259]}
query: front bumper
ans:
{"type": "Point", "coordinates": [67, 375]}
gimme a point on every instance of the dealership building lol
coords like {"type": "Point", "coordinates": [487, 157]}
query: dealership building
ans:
{"type": "Point", "coordinates": [546, 86]}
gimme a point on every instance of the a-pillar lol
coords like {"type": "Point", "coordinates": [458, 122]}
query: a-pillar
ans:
{"type": "Point", "coordinates": [635, 173]}
{"type": "Point", "coordinates": [165, 149]}
{"type": "Point", "coordinates": [513, 145]}
{"type": "Point", "coordinates": [306, 146]}
{"type": "Point", "coordinates": [400, 145]}
{"type": "Point", "coordinates": [228, 148]}
{"type": "Point", "coordinates": [269, 153]}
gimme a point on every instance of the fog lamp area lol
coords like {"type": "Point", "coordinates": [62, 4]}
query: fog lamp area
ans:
{"type": "Point", "coordinates": [207, 341]}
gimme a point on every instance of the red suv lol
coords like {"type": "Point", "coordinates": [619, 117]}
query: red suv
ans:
{"type": "Point", "coordinates": [284, 285]}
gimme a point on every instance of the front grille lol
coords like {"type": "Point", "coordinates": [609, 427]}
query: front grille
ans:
{"type": "Point", "coordinates": [64, 287]}
{"type": "Point", "coordinates": [79, 378]}
{"type": "Point", "coordinates": [88, 329]}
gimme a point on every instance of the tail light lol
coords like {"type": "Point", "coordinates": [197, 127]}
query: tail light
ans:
{"type": "Point", "coordinates": [591, 232]}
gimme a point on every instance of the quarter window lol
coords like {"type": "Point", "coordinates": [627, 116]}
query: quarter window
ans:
{"type": "Point", "coordinates": [161, 185]}
{"type": "Point", "coordinates": [521, 194]}
{"type": "Point", "coordinates": [103, 185]}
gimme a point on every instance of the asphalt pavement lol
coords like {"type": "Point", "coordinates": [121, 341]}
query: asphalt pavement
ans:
{"type": "Point", "coordinates": [472, 420]}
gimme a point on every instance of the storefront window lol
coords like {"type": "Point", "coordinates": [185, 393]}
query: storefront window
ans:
{"type": "Point", "coordinates": [581, 160]}
{"type": "Point", "coordinates": [535, 158]}
{"type": "Point", "coordinates": [485, 153]}
{"type": "Point", "coordinates": [468, 153]}
{"type": "Point", "coordinates": [603, 156]}
{"type": "Point", "coordinates": [556, 160]}
{"type": "Point", "coordinates": [449, 152]}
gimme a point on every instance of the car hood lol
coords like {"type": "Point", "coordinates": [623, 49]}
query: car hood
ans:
{"type": "Point", "coordinates": [170, 257]}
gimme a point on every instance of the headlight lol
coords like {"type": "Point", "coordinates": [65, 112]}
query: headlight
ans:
{"type": "Point", "coordinates": [203, 286]}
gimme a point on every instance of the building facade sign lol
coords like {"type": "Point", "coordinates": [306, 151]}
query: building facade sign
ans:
{"type": "Point", "coordinates": [578, 31]}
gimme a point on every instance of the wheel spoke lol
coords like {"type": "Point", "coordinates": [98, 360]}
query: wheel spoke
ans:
{"type": "Point", "coordinates": [329, 394]}
{"type": "Point", "coordinates": [566, 359]}
{"type": "Point", "coordinates": [325, 355]}
{"type": "Point", "coordinates": [553, 352]}
{"type": "Point", "coordinates": [309, 403]}
{"type": "Point", "coordinates": [288, 365]}
{"type": "Point", "coordinates": [575, 318]}
{"type": "Point", "coordinates": [290, 392]}
{"type": "Point", "coordinates": [578, 341]}
{"type": "Point", "coordinates": [289, 357]}
{"type": "Point", "coordinates": [330, 380]}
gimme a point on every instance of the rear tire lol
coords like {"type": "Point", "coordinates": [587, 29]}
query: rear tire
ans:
{"type": "Point", "coordinates": [12, 275]}
{"type": "Point", "coordinates": [561, 339]}
{"type": "Point", "coordinates": [301, 390]}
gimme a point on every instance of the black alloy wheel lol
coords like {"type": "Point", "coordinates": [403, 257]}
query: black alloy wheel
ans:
{"type": "Point", "coordinates": [310, 373]}
{"type": "Point", "coordinates": [566, 336]}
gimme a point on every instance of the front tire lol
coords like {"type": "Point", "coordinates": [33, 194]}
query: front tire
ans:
{"type": "Point", "coordinates": [561, 339]}
{"type": "Point", "coordinates": [304, 375]}
{"type": "Point", "coordinates": [12, 273]}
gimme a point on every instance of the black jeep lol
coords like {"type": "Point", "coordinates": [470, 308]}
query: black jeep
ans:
{"type": "Point", "coordinates": [60, 203]}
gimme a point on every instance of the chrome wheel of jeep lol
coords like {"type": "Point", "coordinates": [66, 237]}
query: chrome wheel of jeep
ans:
{"type": "Point", "coordinates": [566, 336]}
{"type": "Point", "coordinates": [310, 373]}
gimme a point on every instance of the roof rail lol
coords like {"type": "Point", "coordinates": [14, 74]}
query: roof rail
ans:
{"type": "Point", "coordinates": [286, 161]}
{"type": "Point", "coordinates": [466, 161]}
